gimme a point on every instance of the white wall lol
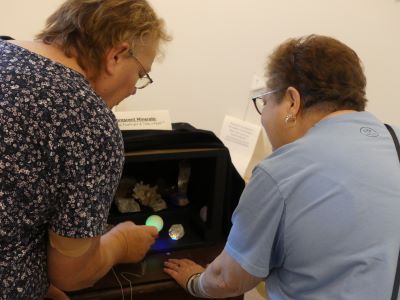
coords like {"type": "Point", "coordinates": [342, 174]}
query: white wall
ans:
{"type": "Point", "coordinates": [220, 44]}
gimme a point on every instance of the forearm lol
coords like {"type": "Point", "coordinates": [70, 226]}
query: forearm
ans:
{"type": "Point", "coordinates": [195, 287]}
{"type": "Point", "coordinates": [110, 252]}
{"type": "Point", "coordinates": [223, 278]}
{"type": "Point", "coordinates": [212, 284]}
{"type": "Point", "coordinates": [68, 273]}
{"type": "Point", "coordinates": [71, 269]}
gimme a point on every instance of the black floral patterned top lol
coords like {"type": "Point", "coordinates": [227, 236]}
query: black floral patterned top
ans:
{"type": "Point", "coordinates": [61, 157]}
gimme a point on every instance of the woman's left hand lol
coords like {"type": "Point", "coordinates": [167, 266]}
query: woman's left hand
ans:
{"type": "Point", "coordinates": [181, 270]}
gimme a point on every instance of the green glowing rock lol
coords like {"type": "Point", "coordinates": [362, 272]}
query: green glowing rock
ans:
{"type": "Point", "coordinates": [155, 221]}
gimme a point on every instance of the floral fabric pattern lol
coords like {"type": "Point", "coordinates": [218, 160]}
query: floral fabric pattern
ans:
{"type": "Point", "coordinates": [61, 158]}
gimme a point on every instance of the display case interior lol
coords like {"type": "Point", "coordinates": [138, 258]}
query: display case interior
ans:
{"type": "Point", "coordinates": [185, 187]}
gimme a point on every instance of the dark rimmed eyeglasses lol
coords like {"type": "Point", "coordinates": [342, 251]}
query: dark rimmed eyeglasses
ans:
{"type": "Point", "coordinates": [144, 80]}
{"type": "Point", "coordinates": [259, 100]}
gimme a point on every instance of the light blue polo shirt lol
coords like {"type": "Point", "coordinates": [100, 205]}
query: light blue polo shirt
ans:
{"type": "Point", "coordinates": [320, 217]}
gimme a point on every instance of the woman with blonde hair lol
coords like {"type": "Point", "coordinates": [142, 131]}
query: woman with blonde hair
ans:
{"type": "Point", "coordinates": [61, 152]}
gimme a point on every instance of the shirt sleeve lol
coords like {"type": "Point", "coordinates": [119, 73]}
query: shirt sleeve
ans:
{"type": "Point", "coordinates": [255, 240]}
{"type": "Point", "coordinates": [89, 161]}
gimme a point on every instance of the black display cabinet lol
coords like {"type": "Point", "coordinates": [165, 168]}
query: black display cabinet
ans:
{"type": "Point", "coordinates": [156, 157]}
{"type": "Point", "coordinates": [206, 187]}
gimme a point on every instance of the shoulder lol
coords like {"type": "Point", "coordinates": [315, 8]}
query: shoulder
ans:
{"type": "Point", "coordinates": [50, 52]}
{"type": "Point", "coordinates": [287, 158]}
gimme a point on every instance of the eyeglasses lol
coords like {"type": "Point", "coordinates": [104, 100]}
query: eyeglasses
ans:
{"type": "Point", "coordinates": [144, 80]}
{"type": "Point", "coordinates": [259, 101]}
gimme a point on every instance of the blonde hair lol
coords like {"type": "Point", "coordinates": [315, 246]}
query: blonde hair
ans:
{"type": "Point", "coordinates": [88, 28]}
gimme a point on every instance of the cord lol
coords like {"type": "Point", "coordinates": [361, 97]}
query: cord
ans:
{"type": "Point", "coordinates": [124, 274]}
{"type": "Point", "coordinates": [120, 284]}
{"type": "Point", "coordinates": [130, 282]}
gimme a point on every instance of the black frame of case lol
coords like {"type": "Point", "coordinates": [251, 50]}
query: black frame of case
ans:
{"type": "Point", "coordinates": [207, 186]}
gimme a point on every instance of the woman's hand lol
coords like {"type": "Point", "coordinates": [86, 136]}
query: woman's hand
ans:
{"type": "Point", "coordinates": [181, 270]}
{"type": "Point", "coordinates": [138, 240]}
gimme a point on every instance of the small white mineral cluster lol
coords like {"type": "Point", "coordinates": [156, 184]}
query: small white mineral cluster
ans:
{"type": "Point", "coordinates": [148, 196]}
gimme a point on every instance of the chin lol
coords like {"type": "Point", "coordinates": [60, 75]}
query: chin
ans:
{"type": "Point", "coordinates": [110, 104]}
{"type": "Point", "coordinates": [114, 102]}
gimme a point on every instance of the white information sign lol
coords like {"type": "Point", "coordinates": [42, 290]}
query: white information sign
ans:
{"type": "Point", "coordinates": [135, 120]}
{"type": "Point", "coordinates": [241, 138]}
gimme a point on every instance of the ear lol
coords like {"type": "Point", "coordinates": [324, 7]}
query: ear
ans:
{"type": "Point", "coordinates": [114, 56]}
{"type": "Point", "coordinates": [294, 99]}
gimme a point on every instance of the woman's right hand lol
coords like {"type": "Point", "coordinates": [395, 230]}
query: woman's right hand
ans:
{"type": "Point", "coordinates": [138, 240]}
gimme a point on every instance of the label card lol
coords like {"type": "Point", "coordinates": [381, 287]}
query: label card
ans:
{"type": "Point", "coordinates": [241, 138]}
{"type": "Point", "coordinates": [135, 120]}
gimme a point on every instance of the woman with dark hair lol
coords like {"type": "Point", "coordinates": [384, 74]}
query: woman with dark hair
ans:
{"type": "Point", "coordinates": [319, 218]}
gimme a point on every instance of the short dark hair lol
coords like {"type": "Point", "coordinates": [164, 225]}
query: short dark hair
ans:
{"type": "Point", "coordinates": [328, 74]}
